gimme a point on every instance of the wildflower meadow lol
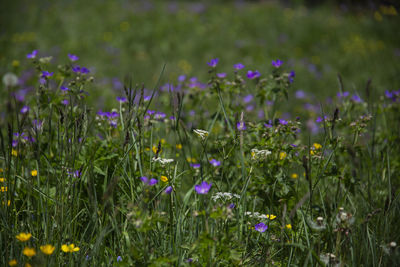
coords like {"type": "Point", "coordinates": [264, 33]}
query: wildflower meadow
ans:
{"type": "Point", "coordinates": [230, 163]}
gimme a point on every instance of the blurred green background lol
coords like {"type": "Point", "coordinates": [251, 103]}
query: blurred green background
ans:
{"type": "Point", "coordinates": [136, 38]}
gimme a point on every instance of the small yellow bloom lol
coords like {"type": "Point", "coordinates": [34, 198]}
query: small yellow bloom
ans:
{"type": "Point", "coordinates": [178, 146]}
{"type": "Point", "coordinates": [2, 180]}
{"type": "Point", "coordinates": [294, 175]}
{"type": "Point", "coordinates": [47, 249]}
{"type": "Point", "coordinates": [147, 149]}
{"type": "Point", "coordinates": [271, 216]}
{"type": "Point", "coordinates": [14, 152]}
{"type": "Point", "coordinates": [29, 252]}
{"type": "Point", "coordinates": [289, 226]}
{"type": "Point", "coordinates": [164, 178]}
{"type": "Point", "coordinates": [317, 146]}
{"type": "Point", "coordinates": [28, 264]}
{"type": "Point", "coordinates": [23, 237]}
{"type": "Point", "coordinates": [155, 149]}
{"type": "Point", "coordinates": [4, 189]}
{"type": "Point", "coordinates": [34, 173]}
{"type": "Point", "coordinates": [15, 63]}
{"type": "Point", "coordinates": [69, 248]}
{"type": "Point", "coordinates": [13, 262]}
{"type": "Point", "coordinates": [192, 160]}
{"type": "Point", "coordinates": [282, 155]}
{"type": "Point", "coordinates": [163, 141]}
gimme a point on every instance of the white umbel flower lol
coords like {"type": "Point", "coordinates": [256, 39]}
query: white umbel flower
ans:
{"type": "Point", "coordinates": [201, 133]}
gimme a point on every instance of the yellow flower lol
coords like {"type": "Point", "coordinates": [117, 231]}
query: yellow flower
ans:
{"type": "Point", "coordinates": [4, 189]}
{"type": "Point", "coordinates": [289, 226]}
{"type": "Point", "coordinates": [47, 249]}
{"type": "Point", "coordinates": [69, 248]}
{"type": "Point", "coordinates": [178, 146]}
{"type": "Point", "coordinates": [8, 202]}
{"type": "Point", "coordinates": [164, 178]}
{"type": "Point", "coordinates": [14, 152]}
{"type": "Point", "coordinates": [163, 141]}
{"type": "Point", "coordinates": [2, 180]}
{"type": "Point", "coordinates": [317, 146]}
{"type": "Point", "coordinates": [28, 265]}
{"type": "Point", "coordinates": [15, 63]}
{"type": "Point", "coordinates": [271, 216]}
{"type": "Point", "coordinates": [192, 160]}
{"type": "Point", "coordinates": [29, 252]}
{"type": "Point", "coordinates": [155, 149]}
{"type": "Point", "coordinates": [294, 175]}
{"type": "Point", "coordinates": [34, 173]}
{"type": "Point", "coordinates": [12, 262]}
{"type": "Point", "coordinates": [282, 155]}
{"type": "Point", "coordinates": [23, 237]}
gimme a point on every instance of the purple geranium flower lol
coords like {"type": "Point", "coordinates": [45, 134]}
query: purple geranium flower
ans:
{"type": "Point", "coordinates": [241, 126]}
{"type": "Point", "coordinates": [150, 182]}
{"type": "Point", "coordinates": [168, 190]}
{"type": "Point", "coordinates": [64, 88]}
{"type": "Point", "coordinates": [300, 94]}
{"type": "Point", "coordinates": [65, 102]}
{"type": "Point", "coordinates": [356, 98]}
{"type": "Point", "coordinates": [33, 54]}
{"type": "Point", "coordinates": [261, 227]}
{"type": "Point", "coordinates": [119, 258]}
{"type": "Point", "coordinates": [195, 165]}
{"type": "Point", "coordinates": [46, 74]}
{"type": "Point", "coordinates": [238, 66]}
{"type": "Point", "coordinates": [121, 99]}
{"type": "Point", "coordinates": [277, 63]}
{"type": "Point", "coordinates": [344, 94]}
{"type": "Point", "coordinates": [215, 162]}
{"type": "Point", "coordinates": [213, 62]}
{"type": "Point", "coordinates": [248, 98]}
{"type": "Point", "coordinates": [283, 122]}
{"type": "Point", "coordinates": [253, 74]}
{"type": "Point", "coordinates": [221, 75]}
{"type": "Point", "coordinates": [203, 188]}
{"type": "Point", "coordinates": [73, 57]}
{"type": "Point", "coordinates": [181, 78]}
{"type": "Point", "coordinates": [268, 124]}
{"type": "Point", "coordinates": [24, 109]}
{"type": "Point", "coordinates": [291, 75]}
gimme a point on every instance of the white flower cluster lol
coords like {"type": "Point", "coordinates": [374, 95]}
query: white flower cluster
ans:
{"type": "Point", "coordinates": [201, 133]}
{"type": "Point", "coordinates": [163, 161]}
{"type": "Point", "coordinates": [224, 196]}
{"type": "Point", "coordinates": [256, 215]}
{"type": "Point", "coordinates": [259, 154]}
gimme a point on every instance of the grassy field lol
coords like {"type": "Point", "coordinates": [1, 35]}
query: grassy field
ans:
{"type": "Point", "coordinates": [178, 134]}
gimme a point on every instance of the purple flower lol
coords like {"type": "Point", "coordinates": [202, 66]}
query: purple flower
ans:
{"type": "Point", "coordinates": [277, 63]}
{"type": "Point", "coordinates": [73, 57]}
{"type": "Point", "coordinates": [147, 98]}
{"type": "Point", "coordinates": [356, 98]}
{"type": "Point", "coordinates": [215, 162]}
{"type": "Point", "coordinates": [144, 179]}
{"type": "Point", "coordinates": [181, 78]}
{"type": "Point", "coordinates": [160, 115]}
{"type": "Point", "coordinates": [300, 94]}
{"type": "Point", "coordinates": [261, 227]}
{"type": "Point", "coordinates": [195, 165]}
{"type": "Point", "coordinates": [213, 62]}
{"type": "Point", "coordinates": [85, 70]}
{"type": "Point", "coordinates": [78, 69]}
{"type": "Point", "coordinates": [33, 54]}
{"type": "Point", "coordinates": [253, 74]}
{"type": "Point", "coordinates": [268, 124]}
{"type": "Point", "coordinates": [291, 75]}
{"type": "Point", "coordinates": [388, 94]}
{"type": "Point", "coordinates": [46, 74]}
{"type": "Point", "coordinates": [344, 94]}
{"type": "Point", "coordinates": [119, 258]}
{"type": "Point", "coordinates": [168, 190]}
{"type": "Point", "coordinates": [24, 109]}
{"type": "Point", "coordinates": [241, 126]}
{"type": "Point", "coordinates": [231, 206]}
{"type": "Point", "coordinates": [221, 75]}
{"type": "Point", "coordinates": [320, 119]}
{"type": "Point", "coordinates": [150, 182]}
{"type": "Point", "coordinates": [64, 88]}
{"type": "Point", "coordinates": [121, 99]}
{"type": "Point", "coordinates": [238, 66]}
{"type": "Point", "coordinates": [203, 188]}
{"type": "Point", "coordinates": [248, 98]}
{"type": "Point", "coordinates": [153, 181]}
{"type": "Point", "coordinates": [65, 102]}
{"type": "Point", "coordinates": [283, 122]}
